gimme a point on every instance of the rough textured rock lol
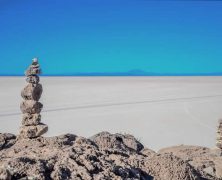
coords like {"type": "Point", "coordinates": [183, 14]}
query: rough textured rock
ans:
{"type": "Point", "coordinates": [219, 135]}
{"type": "Point", "coordinates": [33, 131]}
{"type": "Point", "coordinates": [126, 142]}
{"type": "Point", "coordinates": [30, 107]}
{"type": "Point", "coordinates": [168, 166]}
{"type": "Point", "coordinates": [71, 157]}
{"type": "Point", "coordinates": [32, 92]}
{"type": "Point", "coordinates": [31, 119]}
{"type": "Point", "coordinates": [5, 174]}
{"type": "Point", "coordinates": [6, 140]}
{"type": "Point", "coordinates": [201, 158]}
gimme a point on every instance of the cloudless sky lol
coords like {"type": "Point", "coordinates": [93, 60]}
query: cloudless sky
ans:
{"type": "Point", "coordinates": [72, 36]}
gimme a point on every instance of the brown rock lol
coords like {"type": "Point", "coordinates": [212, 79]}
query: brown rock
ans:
{"type": "Point", "coordinates": [219, 145]}
{"type": "Point", "coordinates": [124, 142]}
{"type": "Point", "coordinates": [6, 140]}
{"type": "Point", "coordinates": [201, 159]}
{"type": "Point", "coordinates": [71, 157]}
{"type": "Point", "coordinates": [219, 138]}
{"type": "Point", "coordinates": [30, 106]}
{"type": "Point", "coordinates": [33, 131]}
{"type": "Point", "coordinates": [2, 141]}
{"type": "Point", "coordinates": [168, 166]}
{"type": "Point", "coordinates": [148, 152]}
{"type": "Point", "coordinates": [32, 92]}
{"type": "Point", "coordinates": [31, 119]}
{"type": "Point", "coordinates": [218, 167]}
{"type": "Point", "coordinates": [4, 174]}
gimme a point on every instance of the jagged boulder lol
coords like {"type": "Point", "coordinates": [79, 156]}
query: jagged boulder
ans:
{"type": "Point", "coordinates": [126, 142]}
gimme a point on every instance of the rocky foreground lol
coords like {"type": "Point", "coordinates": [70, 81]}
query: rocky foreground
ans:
{"type": "Point", "coordinates": [103, 156]}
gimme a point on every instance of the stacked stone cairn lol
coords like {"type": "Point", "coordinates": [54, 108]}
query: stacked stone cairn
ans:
{"type": "Point", "coordinates": [219, 135]}
{"type": "Point", "coordinates": [31, 107]}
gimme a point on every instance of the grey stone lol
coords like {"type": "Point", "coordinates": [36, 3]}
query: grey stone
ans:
{"type": "Point", "coordinates": [33, 131]}
{"type": "Point", "coordinates": [5, 174]}
{"type": "Point", "coordinates": [2, 141]}
{"type": "Point", "coordinates": [219, 135]}
{"type": "Point", "coordinates": [32, 92]}
{"type": "Point", "coordinates": [117, 141]}
{"type": "Point", "coordinates": [31, 107]}
{"type": "Point", "coordinates": [147, 152]}
{"type": "Point", "coordinates": [219, 139]}
{"type": "Point", "coordinates": [7, 140]}
{"type": "Point", "coordinates": [219, 145]}
{"type": "Point", "coordinates": [209, 170]}
{"type": "Point", "coordinates": [31, 119]}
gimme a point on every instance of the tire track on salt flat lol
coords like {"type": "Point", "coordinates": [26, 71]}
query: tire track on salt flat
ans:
{"type": "Point", "coordinates": [119, 104]}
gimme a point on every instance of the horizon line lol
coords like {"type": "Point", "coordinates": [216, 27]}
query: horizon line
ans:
{"type": "Point", "coordinates": [118, 74]}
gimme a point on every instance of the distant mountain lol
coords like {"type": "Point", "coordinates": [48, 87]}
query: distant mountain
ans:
{"type": "Point", "coordinates": [133, 72]}
{"type": "Point", "coordinates": [139, 72]}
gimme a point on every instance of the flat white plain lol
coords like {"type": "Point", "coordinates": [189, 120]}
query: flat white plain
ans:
{"type": "Point", "coordinates": [159, 111]}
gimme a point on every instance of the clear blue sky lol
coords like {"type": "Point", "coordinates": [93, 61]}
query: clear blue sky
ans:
{"type": "Point", "coordinates": [72, 36]}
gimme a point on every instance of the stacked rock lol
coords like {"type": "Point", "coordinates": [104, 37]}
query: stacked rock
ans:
{"type": "Point", "coordinates": [30, 107]}
{"type": "Point", "coordinates": [219, 135]}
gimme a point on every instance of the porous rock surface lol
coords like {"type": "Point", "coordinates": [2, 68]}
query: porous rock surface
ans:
{"type": "Point", "coordinates": [30, 106]}
{"type": "Point", "coordinates": [104, 156]}
{"type": "Point", "coordinates": [204, 160]}
{"type": "Point", "coordinates": [219, 135]}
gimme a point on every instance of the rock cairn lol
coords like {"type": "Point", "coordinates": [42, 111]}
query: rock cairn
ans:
{"type": "Point", "coordinates": [219, 135]}
{"type": "Point", "coordinates": [30, 107]}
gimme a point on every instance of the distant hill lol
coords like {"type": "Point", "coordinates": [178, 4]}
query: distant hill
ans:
{"type": "Point", "coordinates": [133, 72]}
{"type": "Point", "coordinates": [138, 72]}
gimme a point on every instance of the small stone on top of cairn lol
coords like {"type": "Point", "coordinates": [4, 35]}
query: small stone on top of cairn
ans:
{"type": "Point", "coordinates": [219, 135]}
{"type": "Point", "coordinates": [30, 107]}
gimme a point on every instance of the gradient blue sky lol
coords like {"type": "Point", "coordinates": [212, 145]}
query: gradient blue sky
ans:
{"type": "Point", "coordinates": [72, 36]}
